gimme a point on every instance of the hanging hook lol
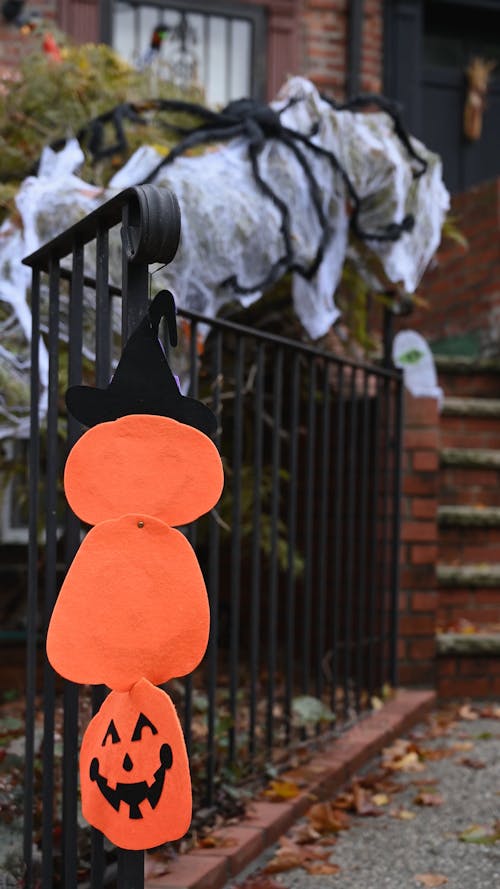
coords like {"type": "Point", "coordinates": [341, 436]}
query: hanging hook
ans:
{"type": "Point", "coordinates": [163, 306]}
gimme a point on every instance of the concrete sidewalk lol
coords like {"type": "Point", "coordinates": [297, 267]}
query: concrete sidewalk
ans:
{"type": "Point", "coordinates": [440, 828]}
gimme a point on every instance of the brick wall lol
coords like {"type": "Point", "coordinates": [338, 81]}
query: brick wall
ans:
{"type": "Point", "coordinates": [462, 289]}
{"type": "Point", "coordinates": [418, 594]}
{"type": "Point", "coordinates": [475, 677]}
{"type": "Point", "coordinates": [324, 39]}
{"type": "Point", "coordinates": [307, 37]}
{"type": "Point", "coordinates": [13, 45]}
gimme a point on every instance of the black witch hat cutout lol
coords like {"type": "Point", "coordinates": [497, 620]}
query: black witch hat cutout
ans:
{"type": "Point", "coordinates": [143, 382]}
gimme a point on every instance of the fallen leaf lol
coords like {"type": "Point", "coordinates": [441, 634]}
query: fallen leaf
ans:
{"type": "Point", "coordinates": [431, 880]}
{"type": "Point", "coordinates": [286, 857]}
{"type": "Point", "coordinates": [216, 841]}
{"type": "Point", "coordinates": [490, 712]}
{"type": "Point", "coordinates": [466, 712]}
{"type": "Point", "coordinates": [376, 703]}
{"type": "Point", "coordinates": [320, 868]}
{"type": "Point", "coordinates": [380, 799]}
{"type": "Point", "coordinates": [304, 833]}
{"type": "Point", "coordinates": [472, 763]}
{"type": "Point", "coordinates": [280, 790]}
{"type": "Point", "coordinates": [325, 818]}
{"type": "Point", "coordinates": [403, 814]}
{"type": "Point", "coordinates": [481, 834]}
{"type": "Point", "coordinates": [428, 799]}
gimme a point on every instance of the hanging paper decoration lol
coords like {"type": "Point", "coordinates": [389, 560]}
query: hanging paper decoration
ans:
{"type": "Point", "coordinates": [134, 771]}
{"type": "Point", "coordinates": [133, 610]}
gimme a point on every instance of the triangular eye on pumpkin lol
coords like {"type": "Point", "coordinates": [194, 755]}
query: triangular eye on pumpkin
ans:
{"type": "Point", "coordinates": [142, 722]}
{"type": "Point", "coordinates": [137, 789]}
{"type": "Point", "coordinates": [111, 733]}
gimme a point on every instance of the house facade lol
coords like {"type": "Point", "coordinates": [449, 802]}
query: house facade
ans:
{"type": "Point", "coordinates": [417, 52]}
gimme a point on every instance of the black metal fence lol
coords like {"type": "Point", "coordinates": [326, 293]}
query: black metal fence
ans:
{"type": "Point", "coordinates": [300, 556]}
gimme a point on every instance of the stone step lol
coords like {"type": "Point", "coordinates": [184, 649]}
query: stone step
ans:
{"type": "Point", "coordinates": [482, 575]}
{"type": "Point", "coordinates": [463, 364]}
{"type": "Point", "coordinates": [454, 406]}
{"type": "Point", "coordinates": [475, 458]}
{"type": "Point", "coordinates": [468, 644]}
{"type": "Point", "coordinates": [465, 376]}
{"type": "Point", "coordinates": [469, 516]}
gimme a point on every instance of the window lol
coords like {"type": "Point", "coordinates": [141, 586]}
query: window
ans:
{"type": "Point", "coordinates": [214, 45]}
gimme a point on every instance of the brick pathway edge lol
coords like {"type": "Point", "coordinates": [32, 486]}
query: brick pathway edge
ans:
{"type": "Point", "coordinates": [325, 774]}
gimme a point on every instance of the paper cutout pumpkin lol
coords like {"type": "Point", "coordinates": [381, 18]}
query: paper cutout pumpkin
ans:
{"type": "Point", "coordinates": [133, 605]}
{"type": "Point", "coordinates": [134, 771]}
{"type": "Point", "coordinates": [146, 464]}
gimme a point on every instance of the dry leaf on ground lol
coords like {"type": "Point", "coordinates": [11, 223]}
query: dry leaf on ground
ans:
{"type": "Point", "coordinates": [322, 868]}
{"type": "Point", "coordinates": [286, 857]}
{"type": "Point", "coordinates": [304, 833]}
{"type": "Point", "coordinates": [472, 763]}
{"type": "Point", "coordinates": [428, 799]}
{"type": "Point", "coordinates": [290, 855]}
{"type": "Point", "coordinates": [466, 712]}
{"type": "Point", "coordinates": [277, 791]}
{"type": "Point", "coordinates": [216, 841]}
{"type": "Point", "coordinates": [325, 818]}
{"type": "Point", "coordinates": [403, 814]}
{"type": "Point", "coordinates": [431, 880]}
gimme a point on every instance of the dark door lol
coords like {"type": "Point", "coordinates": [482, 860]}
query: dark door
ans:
{"type": "Point", "coordinates": [429, 78]}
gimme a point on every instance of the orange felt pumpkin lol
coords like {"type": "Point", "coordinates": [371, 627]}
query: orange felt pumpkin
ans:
{"type": "Point", "coordinates": [134, 771]}
{"type": "Point", "coordinates": [143, 463]}
{"type": "Point", "coordinates": [133, 605]}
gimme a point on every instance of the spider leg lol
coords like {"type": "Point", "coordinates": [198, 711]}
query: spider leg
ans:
{"type": "Point", "coordinates": [392, 109]}
{"type": "Point", "coordinates": [254, 150]}
{"type": "Point", "coordinates": [315, 193]}
{"type": "Point", "coordinates": [392, 232]}
{"type": "Point", "coordinates": [196, 137]}
{"type": "Point", "coordinates": [191, 108]}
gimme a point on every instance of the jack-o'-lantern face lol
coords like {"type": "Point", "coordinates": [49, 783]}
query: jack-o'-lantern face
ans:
{"type": "Point", "coordinates": [134, 771]}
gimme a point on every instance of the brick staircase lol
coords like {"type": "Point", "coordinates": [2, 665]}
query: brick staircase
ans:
{"type": "Point", "coordinates": [468, 569]}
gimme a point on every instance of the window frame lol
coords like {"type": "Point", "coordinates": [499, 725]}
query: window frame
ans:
{"type": "Point", "coordinates": [253, 13]}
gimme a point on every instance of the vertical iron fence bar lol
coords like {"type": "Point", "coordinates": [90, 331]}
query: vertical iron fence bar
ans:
{"type": "Point", "coordinates": [235, 562]}
{"type": "Point", "coordinates": [134, 306]}
{"type": "Point", "coordinates": [50, 574]}
{"type": "Point", "coordinates": [103, 335]}
{"type": "Point", "coordinates": [338, 531]}
{"type": "Point", "coordinates": [103, 330]}
{"type": "Point", "coordinates": [229, 60]}
{"type": "Point", "coordinates": [362, 528]}
{"type": "Point", "coordinates": [213, 591]}
{"type": "Point", "coordinates": [372, 567]}
{"type": "Point", "coordinates": [191, 535]}
{"type": "Point", "coordinates": [309, 522]}
{"type": "Point", "coordinates": [396, 529]}
{"type": "Point", "coordinates": [273, 556]}
{"type": "Point", "coordinates": [32, 597]}
{"type": "Point", "coordinates": [206, 52]}
{"type": "Point", "coordinates": [386, 526]}
{"type": "Point", "coordinates": [350, 549]}
{"type": "Point", "coordinates": [324, 502]}
{"type": "Point", "coordinates": [71, 690]}
{"type": "Point", "coordinates": [292, 543]}
{"type": "Point", "coordinates": [256, 547]}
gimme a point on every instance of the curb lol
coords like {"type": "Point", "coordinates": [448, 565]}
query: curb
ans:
{"type": "Point", "coordinates": [326, 772]}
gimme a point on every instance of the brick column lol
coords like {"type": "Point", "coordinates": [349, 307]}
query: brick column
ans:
{"type": "Point", "coordinates": [418, 593]}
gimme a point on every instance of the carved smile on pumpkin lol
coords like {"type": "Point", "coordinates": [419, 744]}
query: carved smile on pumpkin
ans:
{"type": "Point", "coordinates": [133, 793]}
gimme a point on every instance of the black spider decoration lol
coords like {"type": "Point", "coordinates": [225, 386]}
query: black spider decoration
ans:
{"type": "Point", "coordinates": [259, 123]}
